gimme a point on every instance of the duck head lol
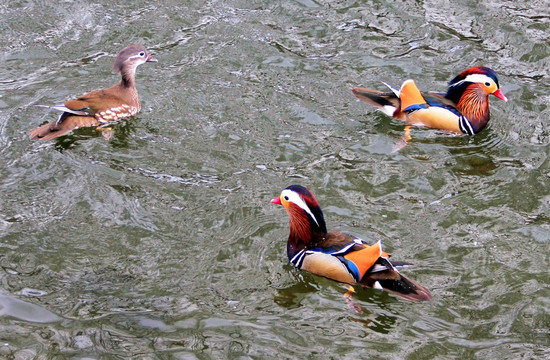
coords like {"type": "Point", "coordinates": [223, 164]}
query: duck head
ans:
{"type": "Point", "coordinates": [307, 223]}
{"type": "Point", "coordinates": [481, 77]}
{"type": "Point", "coordinates": [470, 91]}
{"type": "Point", "coordinates": [127, 61]}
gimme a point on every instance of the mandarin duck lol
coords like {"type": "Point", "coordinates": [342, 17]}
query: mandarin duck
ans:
{"type": "Point", "coordinates": [339, 256]}
{"type": "Point", "coordinates": [464, 109]}
{"type": "Point", "coordinates": [100, 107]}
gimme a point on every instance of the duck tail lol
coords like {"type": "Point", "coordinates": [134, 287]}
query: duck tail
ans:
{"type": "Point", "coordinates": [385, 276]}
{"type": "Point", "coordinates": [56, 128]}
{"type": "Point", "coordinates": [386, 102]}
{"type": "Point", "coordinates": [396, 283]}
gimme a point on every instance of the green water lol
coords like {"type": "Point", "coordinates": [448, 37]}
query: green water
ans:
{"type": "Point", "coordinates": [161, 243]}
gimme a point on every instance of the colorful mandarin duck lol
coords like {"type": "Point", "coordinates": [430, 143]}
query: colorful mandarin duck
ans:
{"type": "Point", "coordinates": [340, 256]}
{"type": "Point", "coordinates": [464, 109]}
{"type": "Point", "coordinates": [100, 107]}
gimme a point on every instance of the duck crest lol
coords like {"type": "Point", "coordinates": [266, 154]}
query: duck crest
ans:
{"type": "Point", "coordinates": [481, 70]}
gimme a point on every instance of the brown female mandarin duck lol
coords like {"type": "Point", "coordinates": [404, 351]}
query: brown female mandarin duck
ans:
{"type": "Point", "coordinates": [100, 107]}
{"type": "Point", "coordinates": [338, 256]}
{"type": "Point", "coordinates": [464, 109]}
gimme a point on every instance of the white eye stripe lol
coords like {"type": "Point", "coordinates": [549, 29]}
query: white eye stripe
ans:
{"type": "Point", "coordinates": [135, 57]}
{"type": "Point", "coordinates": [479, 78]}
{"type": "Point", "coordinates": [476, 78]}
{"type": "Point", "coordinates": [295, 198]}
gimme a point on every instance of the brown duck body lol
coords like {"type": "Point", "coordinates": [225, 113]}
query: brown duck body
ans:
{"type": "Point", "coordinates": [100, 107]}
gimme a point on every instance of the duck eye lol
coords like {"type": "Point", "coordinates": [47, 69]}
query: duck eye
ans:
{"type": "Point", "coordinates": [142, 54]}
{"type": "Point", "coordinates": [286, 198]}
{"type": "Point", "coordinates": [487, 84]}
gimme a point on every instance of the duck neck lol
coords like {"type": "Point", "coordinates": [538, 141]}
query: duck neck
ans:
{"type": "Point", "coordinates": [127, 89]}
{"type": "Point", "coordinates": [127, 77]}
{"type": "Point", "coordinates": [304, 233]}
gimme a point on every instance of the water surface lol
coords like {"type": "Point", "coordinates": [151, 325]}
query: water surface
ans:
{"type": "Point", "coordinates": [162, 243]}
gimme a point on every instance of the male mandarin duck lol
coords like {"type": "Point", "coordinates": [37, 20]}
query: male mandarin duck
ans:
{"type": "Point", "coordinates": [338, 256]}
{"type": "Point", "coordinates": [464, 109]}
{"type": "Point", "coordinates": [100, 107]}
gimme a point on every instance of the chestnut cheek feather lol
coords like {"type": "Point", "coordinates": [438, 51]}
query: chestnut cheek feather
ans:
{"type": "Point", "coordinates": [299, 223]}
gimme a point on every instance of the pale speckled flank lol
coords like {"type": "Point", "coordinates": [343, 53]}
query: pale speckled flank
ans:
{"type": "Point", "coordinates": [117, 113]}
